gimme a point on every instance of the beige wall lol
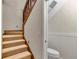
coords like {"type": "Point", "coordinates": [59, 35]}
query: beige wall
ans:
{"type": "Point", "coordinates": [33, 30]}
{"type": "Point", "coordinates": [65, 19]}
{"type": "Point", "coordinates": [12, 14]}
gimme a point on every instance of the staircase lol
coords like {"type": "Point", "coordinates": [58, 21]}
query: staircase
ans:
{"type": "Point", "coordinates": [14, 46]}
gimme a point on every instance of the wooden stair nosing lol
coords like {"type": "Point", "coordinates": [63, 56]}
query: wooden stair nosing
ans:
{"type": "Point", "coordinates": [13, 30]}
{"type": "Point", "coordinates": [22, 55]}
{"type": "Point", "coordinates": [13, 33]}
{"type": "Point", "coordinates": [12, 37]}
{"type": "Point", "coordinates": [12, 43]}
{"type": "Point", "coordinates": [14, 50]}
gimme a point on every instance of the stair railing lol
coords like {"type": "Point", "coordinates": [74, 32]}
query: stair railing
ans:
{"type": "Point", "coordinates": [27, 9]}
{"type": "Point", "coordinates": [26, 13]}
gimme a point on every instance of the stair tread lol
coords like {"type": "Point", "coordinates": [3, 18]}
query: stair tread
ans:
{"type": "Point", "coordinates": [14, 41]}
{"type": "Point", "coordinates": [19, 55]}
{"type": "Point", "coordinates": [9, 36]}
{"type": "Point", "coordinates": [13, 48]}
{"type": "Point", "coordinates": [14, 32]}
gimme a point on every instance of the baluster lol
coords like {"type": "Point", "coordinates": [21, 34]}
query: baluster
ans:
{"type": "Point", "coordinates": [28, 8]}
{"type": "Point", "coordinates": [30, 3]}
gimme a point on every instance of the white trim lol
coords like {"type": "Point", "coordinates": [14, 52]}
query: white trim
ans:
{"type": "Point", "coordinates": [45, 27]}
{"type": "Point", "coordinates": [74, 35]}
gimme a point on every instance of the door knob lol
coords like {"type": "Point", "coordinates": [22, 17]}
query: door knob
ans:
{"type": "Point", "coordinates": [45, 41]}
{"type": "Point", "coordinates": [46, 0]}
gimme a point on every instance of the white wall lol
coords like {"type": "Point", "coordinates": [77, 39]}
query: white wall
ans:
{"type": "Point", "coordinates": [65, 43]}
{"type": "Point", "coordinates": [62, 27]}
{"type": "Point", "coordinates": [12, 14]}
{"type": "Point", "coordinates": [33, 30]}
{"type": "Point", "coordinates": [65, 19]}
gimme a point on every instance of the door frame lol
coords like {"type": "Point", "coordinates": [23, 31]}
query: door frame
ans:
{"type": "Point", "coordinates": [45, 28]}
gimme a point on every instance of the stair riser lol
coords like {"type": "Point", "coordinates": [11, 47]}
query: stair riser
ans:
{"type": "Point", "coordinates": [8, 32]}
{"type": "Point", "coordinates": [27, 57]}
{"type": "Point", "coordinates": [12, 38]}
{"type": "Point", "coordinates": [14, 52]}
{"type": "Point", "coordinates": [13, 30]}
{"type": "Point", "coordinates": [13, 44]}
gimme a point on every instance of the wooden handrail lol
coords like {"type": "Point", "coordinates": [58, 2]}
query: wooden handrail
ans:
{"type": "Point", "coordinates": [27, 9]}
